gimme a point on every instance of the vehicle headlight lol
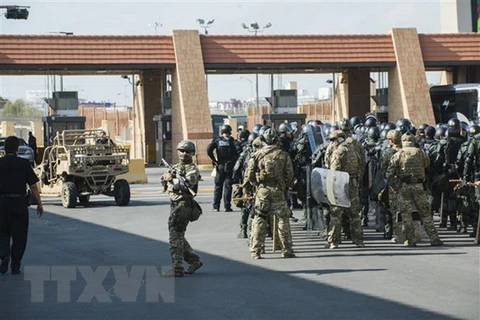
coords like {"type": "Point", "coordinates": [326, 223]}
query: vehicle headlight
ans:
{"type": "Point", "coordinates": [29, 151]}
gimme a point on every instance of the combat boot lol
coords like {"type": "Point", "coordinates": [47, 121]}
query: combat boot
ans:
{"type": "Point", "coordinates": [172, 273]}
{"type": "Point", "coordinates": [436, 243]}
{"type": "Point", "coordinates": [288, 254]}
{"type": "Point", "coordinates": [194, 267]}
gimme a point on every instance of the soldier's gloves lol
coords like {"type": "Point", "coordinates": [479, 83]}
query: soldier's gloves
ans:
{"type": "Point", "coordinates": [214, 163]}
{"type": "Point", "coordinates": [168, 176]}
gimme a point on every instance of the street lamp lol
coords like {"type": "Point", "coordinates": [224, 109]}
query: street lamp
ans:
{"type": "Point", "coordinates": [251, 86]}
{"type": "Point", "coordinates": [332, 81]}
{"type": "Point", "coordinates": [204, 25]}
{"type": "Point", "coordinates": [255, 28]}
{"type": "Point", "coordinates": [155, 25]}
{"type": "Point", "coordinates": [66, 33]}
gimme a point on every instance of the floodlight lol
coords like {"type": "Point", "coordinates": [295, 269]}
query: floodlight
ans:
{"type": "Point", "coordinates": [268, 25]}
{"type": "Point", "coordinates": [255, 25]}
{"type": "Point", "coordinates": [244, 26]}
{"type": "Point", "coordinates": [211, 21]}
{"type": "Point", "coordinates": [201, 21]}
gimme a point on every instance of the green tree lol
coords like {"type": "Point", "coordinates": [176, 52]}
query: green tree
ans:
{"type": "Point", "coordinates": [20, 109]}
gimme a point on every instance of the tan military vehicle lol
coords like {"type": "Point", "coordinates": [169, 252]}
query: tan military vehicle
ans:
{"type": "Point", "coordinates": [81, 163]}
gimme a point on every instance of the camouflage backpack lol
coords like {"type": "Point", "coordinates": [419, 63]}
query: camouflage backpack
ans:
{"type": "Point", "coordinates": [269, 168]}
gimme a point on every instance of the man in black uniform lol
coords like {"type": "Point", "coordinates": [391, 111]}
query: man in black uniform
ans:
{"type": "Point", "coordinates": [227, 150]}
{"type": "Point", "coordinates": [15, 174]}
{"type": "Point", "coordinates": [32, 143]}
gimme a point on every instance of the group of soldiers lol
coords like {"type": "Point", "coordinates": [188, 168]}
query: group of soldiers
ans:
{"type": "Point", "coordinates": [396, 171]}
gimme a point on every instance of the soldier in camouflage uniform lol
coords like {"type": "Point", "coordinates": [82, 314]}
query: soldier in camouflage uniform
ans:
{"type": "Point", "coordinates": [394, 144]}
{"type": "Point", "coordinates": [182, 205]}
{"type": "Point", "coordinates": [271, 171]}
{"type": "Point", "coordinates": [345, 158]}
{"type": "Point", "coordinates": [405, 176]}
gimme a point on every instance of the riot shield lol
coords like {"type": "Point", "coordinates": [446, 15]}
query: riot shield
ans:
{"type": "Point", "coordinates": [330, 187]}
{"type": "Point", "coordinates": [315, 137]}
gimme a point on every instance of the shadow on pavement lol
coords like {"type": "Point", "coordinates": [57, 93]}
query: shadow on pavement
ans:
{"type": "Point", "coordinates": [222, 289]}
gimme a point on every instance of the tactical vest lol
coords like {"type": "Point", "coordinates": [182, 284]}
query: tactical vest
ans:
{"type": "Point", "coordinates": [412, 163]}
{"type": "Point", "coordinates": [225, 149]}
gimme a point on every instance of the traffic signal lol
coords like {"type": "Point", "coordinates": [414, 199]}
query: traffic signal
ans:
{"type": "Point", "coordinates": [17, 13]}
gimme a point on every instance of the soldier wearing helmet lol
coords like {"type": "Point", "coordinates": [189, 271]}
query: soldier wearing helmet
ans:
{"type": "Point", "coordinates": [271, 171]}
{"type": "Point", "coordinates": [405, 177]}
{"type": "Point", "coordinates": [345, 158]}
{"type": "Point", "coordinates": [223, 151]}
{"type": "Point", "coordinates": [444, 169]}
{"type": "Point", "coordinates": [181, 183]}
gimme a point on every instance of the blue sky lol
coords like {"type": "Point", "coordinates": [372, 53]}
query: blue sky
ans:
{"type": "Point", "coordinates": [136, 18]}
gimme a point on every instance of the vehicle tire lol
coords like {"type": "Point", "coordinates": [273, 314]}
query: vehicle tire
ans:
{"type": "Point", "coordinates": [69, 195]}
{"type": "Point", "coordinates": [121, 192]}
{"type": "Point", "coordinates": [84, 200]}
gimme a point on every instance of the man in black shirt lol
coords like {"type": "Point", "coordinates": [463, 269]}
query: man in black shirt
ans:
{"type": "Point", "coordinates": [15, 174]}
{"type": "Point", "coordinates": [32, 143]}
{"type": "Point", "coordinates": [227, 151]}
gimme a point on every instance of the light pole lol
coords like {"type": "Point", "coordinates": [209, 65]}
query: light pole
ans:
{"type": "Point", "coordinates": [66, 33]}
{"type": "Point", "coordinates": [251, 86]}
{"type": "Point", "coordinates": [255, 28]}
{"type": "Point", "coordinates": [155, 25]}
{"type": "Point", "coordinates": [204, 25]}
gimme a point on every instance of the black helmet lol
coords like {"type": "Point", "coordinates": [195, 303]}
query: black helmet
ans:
{"type": "Point", "coordinates": [285, 128]}
{"type": "Point", "coordinates": [430, 132]}
{"type": "Point", "coordinates": [226, 129]}
{"type": "Point", "coordinates": [440, 133]}
{"type": "Point", "coordinates": [243, 135]}
{"type": "Point", "coordinates": [473, 130]}
{"type": "Point", "coordinates": [390, 126]}
{"type": "Point", "coordinates": [262, 130]}
{"type": "Point", "coordinates": [404, 122]}
{"type": "Point", "coordinates": [383, 134]}
{"type": "Point", "coordinates": [454, 126]}
{"type": "Point", "coordinates": [345, 125]}
{"type": "Point", "coordinates": [373, 133]}
{"type": "Point", "coordinates": [422, 128]}
{"type": "Point", "coordinates": [370, 122]}
{"type": "Point", "coordinates": [270, 136]}
{"type": "Point", "coordinates": [256, 128]}
{"type": "Point", "coordinates": [252, 136]}
{"type": "Point", "coordinates": [355, 120]}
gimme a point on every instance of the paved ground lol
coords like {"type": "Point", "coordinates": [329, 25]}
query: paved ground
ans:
{"type": "Point", "coordinates": [89, 250]}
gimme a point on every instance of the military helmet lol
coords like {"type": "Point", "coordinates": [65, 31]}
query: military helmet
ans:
{"type": "Point", "coordinates": [263, 129]}
{"type": "Point", "coordinates": [395, 136]}
{"type": "Point", "coordinates": [226, 128]}
{"type": "Point", "coordinates": [270, 136]}
{"type": "Point", "coordinates": [252, 137]}
{"type": "Point", "coordinates": [243, 135]}
{"type": "Point", "coordinates": [345, 125]}
{"type": "Point", "coordinates": [430, 132]}
{"type": "Point", "coordinates": [186, 145]}
{"type": "Point", "coordinates": [337, 134]}
{"type": "Point", "coordinates": [473, 130]}
{"type": "Point", "coordinates": [383, 134]}
{"type": "Point", "coordinates": [422, 128]}
{"type": "Point", "coordinates": [285, 128]}
{"type": "Point", "coordinates": [440, 133]}
{"type": "Point", "coordinates": [390, 126]}
{"type": "Point", "coordinates": [408, 138]}
{"type": "Point", "coordinates": [315, 123]}
{"type": "Point", "coordinates": [370, 122]}
{"type": "Point", "coordinates": [355, 120]}
{"type": "Point", "coordinates": [373, 133]}
{"type": "Point", "coordinates": [256, 128]}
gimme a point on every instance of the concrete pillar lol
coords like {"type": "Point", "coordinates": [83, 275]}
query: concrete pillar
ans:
{"type": "Point", "coordinates": [357, 82]}
{"type": "Point", "coordinates": [151, 85]}
{"type": "Point", "coordinates": [408, 91]}
{"type": "Point", "coordinates": [189, 95]}
{"type": "Point", "coordinates": [8, 128]}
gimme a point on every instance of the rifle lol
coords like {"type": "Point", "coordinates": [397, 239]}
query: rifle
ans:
{"type": "Point", "coordinates": [179, 177]}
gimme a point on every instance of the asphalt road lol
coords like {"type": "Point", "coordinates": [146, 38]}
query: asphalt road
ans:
{"type": "Point", "coordinates": [102, 262]}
